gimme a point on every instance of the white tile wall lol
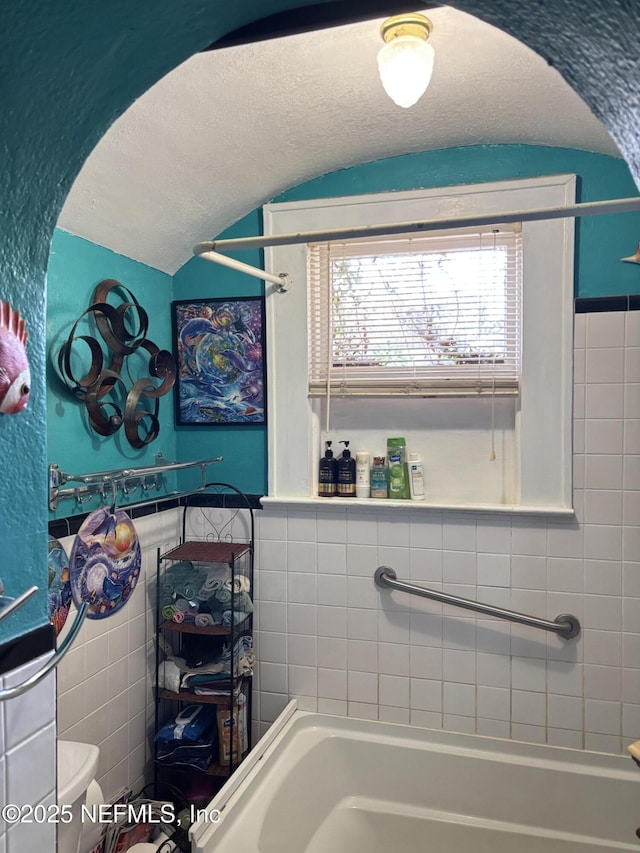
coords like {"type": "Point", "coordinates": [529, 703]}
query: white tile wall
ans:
{"type": "Point", "coordinates": [105, 681]}
{"type": "Point", "coordinates": [327, 636]}
{"type": "Point", "coordinates": [28, 758]}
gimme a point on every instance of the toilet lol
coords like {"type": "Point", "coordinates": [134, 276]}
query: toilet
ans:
{"type": "Point", "coordinates": [77, 768]}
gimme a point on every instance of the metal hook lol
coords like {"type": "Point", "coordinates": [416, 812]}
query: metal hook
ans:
{"type": "Point", "coordinates": [128, 487]}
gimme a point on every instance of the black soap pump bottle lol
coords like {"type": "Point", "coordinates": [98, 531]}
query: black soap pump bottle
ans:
{"type": "Point", "coordinates": [346, 473]}
{"type": "Point", "coordinates": [328, 473]}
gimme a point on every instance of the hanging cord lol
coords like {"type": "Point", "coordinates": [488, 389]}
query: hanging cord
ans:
{"type": "Point", "coordinates": [329, 339]}
{"type": "Point", "coordinates": [492, 455]}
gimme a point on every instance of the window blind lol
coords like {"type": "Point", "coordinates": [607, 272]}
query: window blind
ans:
{"type": "Point", "coordinates": [420, 316]}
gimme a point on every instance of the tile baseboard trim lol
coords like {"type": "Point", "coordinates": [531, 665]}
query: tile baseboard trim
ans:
{"type": "Point", "coordinates": [69, 526]}
{"type": "Point", "coordinates": [598, 304]}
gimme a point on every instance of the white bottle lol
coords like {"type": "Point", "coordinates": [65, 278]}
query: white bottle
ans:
{"type": "Point", "coordinates": [416, 477]}
{"type": "Point", "coordinates": [363, 482]}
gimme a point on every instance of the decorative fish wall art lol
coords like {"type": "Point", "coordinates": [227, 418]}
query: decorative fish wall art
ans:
{"type": "Point", "coordinates": [633, 259]}
{"type": "Point", "coordinates": [15, 378]}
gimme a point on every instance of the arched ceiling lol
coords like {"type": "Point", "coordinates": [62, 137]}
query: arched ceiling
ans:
{"type": "Point", "coordinates": [232, 128]}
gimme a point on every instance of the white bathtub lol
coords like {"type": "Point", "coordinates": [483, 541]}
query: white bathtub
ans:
{"type": "Point", "coordinates": [321, 784]}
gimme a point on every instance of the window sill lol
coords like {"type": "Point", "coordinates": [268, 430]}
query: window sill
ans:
{"type": "Point", "coordinates": [374, 504]}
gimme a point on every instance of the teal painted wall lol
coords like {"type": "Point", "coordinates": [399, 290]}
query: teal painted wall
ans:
{"type": "Point", "coordinates": [600, 240]}
{"type": "Point", "coordinates": [76, 266]}
{"type": "Point", "coordinates": [68, 69]}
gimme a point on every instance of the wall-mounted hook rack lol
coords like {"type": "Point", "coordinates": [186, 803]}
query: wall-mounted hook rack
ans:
{"type": "Point", "coordinates": [106, 484]}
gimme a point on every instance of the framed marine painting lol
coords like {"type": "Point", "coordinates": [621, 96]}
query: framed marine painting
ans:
{"type": "Point", "coordinates": [220, 354]}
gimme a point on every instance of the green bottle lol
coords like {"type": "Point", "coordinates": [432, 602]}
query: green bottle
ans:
{"type": "Point", "coordinates": [398, 470]}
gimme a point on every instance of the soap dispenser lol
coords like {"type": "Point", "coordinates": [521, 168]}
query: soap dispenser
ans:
{"type": "Point", "coordinates": [327, 473]}
{"type": "Point", "coordinates": [346, 473]}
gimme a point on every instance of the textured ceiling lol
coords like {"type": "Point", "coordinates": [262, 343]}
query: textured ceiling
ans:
{"type": "Point", "coordinates": [230, 129]}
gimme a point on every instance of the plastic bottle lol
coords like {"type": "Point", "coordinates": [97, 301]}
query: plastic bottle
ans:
{"type": "Point", "coordinates": [363, 485]}
{"type": "Point", "coordinates": [346, 474]}
{"type": "Point", "coordinates": [398, 473]}
{"type": "Point", "coordinates": [379, 478]}
{"type": "Point", "coordinates": [416, 477]}
{"type": "Point", "coordinates": [327, 473]}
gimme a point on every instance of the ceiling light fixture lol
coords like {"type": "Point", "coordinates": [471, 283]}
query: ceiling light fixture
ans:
{"type": "Point", "coordinates": [405, 62]}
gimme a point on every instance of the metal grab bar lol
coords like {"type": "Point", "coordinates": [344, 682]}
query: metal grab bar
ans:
{"type": "Point", "coordinates": [54, 660]}
{"type": "Point", "coordinates": [566, 625]}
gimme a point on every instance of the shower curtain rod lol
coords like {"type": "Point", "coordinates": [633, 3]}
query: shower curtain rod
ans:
{"type": "Point", "coordinates": [593, 208]}
{"type": "Point", "coordinates": [281, 281]}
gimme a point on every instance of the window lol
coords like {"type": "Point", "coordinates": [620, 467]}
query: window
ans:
{"type": "Point", "coordinates": [452, 433]}
{"type": "Point", "coordinates": [426, 315]}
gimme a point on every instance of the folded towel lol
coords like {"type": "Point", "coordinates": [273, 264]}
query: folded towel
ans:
{"type": "Point", "coordinates": [240, 584]}
{"type": "Point", "coordinates": [191, 585]}
{"type": "Point", "coordinates": [208, 588]}
{"type": "Point", "coordinates": [235, 619]}
{"type": "Point", "coordinates": [222, 595]}
{"type": "Point", "coordinates": [175, 575]}
{"type": "Point", "coordinates": [182, 605]}
{"type": "Point", "coordinates": [183, 579]}
{"type": "Point", "coordinates": [242, 603]}
{"type": "Point", "coordinates": [178, 617]}
{"type": "Point", "coordinates": [217, 574]}
{"type": "Point", "coordinates": [204, 620]}
{"type": "Point", "coordinates": [167, 611]}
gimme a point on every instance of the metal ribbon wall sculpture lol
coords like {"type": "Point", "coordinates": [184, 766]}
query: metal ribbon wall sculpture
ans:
{"type": "Point", "coordinates": [124, 331]}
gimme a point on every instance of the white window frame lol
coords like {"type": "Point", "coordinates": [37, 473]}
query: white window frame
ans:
{"type": "Point", "coordinates": [544, 418]}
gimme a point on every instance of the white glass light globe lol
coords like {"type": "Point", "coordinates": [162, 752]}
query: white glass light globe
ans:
{"type": "Point", "coordinates": [405, 64]}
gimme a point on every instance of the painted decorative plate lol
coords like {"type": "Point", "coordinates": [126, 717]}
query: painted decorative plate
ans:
{"type": "Point", "coordinates": [59, 595]}
{"type": "Point", "coordinates": [105, 562]}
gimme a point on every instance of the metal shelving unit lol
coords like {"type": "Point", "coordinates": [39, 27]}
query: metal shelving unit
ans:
{"type": "Point", "coordinates": [218, 547]}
